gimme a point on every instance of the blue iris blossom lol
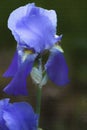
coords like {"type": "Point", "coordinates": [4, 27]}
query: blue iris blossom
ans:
{"type": "Point", "coordinates": [34, 29]}
{"type": "Point", "coordinates": [17, 116]}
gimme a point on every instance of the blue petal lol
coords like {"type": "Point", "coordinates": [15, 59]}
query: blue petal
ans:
{"type": "Point", "coordinates": [20, 116]}
{"type": "Point", "coordinates": [3, 126]}
{"type": "Point", "coordinates": [13, 67]}
{"type": "Point", "coordinates": [35, 27]}
{"type": "Point", "coordinates": [3, 105]}
{"type": "Point", "coordinates": [15, 16]}
{"type": "Point", "coordinates": [18, 84]}
{"type": "Point", "coordinates": [57, 68]}
{"type": "Point", "coordinates": [17, 116]}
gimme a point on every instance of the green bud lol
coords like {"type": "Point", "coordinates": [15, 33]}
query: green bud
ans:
{"type": "Point", "coordinates": [36, 75]}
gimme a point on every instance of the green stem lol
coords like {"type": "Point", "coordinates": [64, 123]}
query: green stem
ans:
{"type": "Point", "coordinates": [38, 104]}
{"type": "Point", "coordinates": [39, 93]}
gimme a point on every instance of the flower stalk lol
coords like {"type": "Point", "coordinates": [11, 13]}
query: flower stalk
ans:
{"type": "Point", "coordinates": [39, 90]}
{"type": "Point", "coordinates": [38, 102]}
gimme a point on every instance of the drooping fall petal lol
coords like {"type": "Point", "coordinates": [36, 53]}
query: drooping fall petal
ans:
{"type": "Point", "coordinates": [57, 69]}
{"type": "Point", "coordinates": [18, 84]}
{"type": "Point", "coordinates": [13, 67]}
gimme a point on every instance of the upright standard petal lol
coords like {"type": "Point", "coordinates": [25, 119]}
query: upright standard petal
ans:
{"type": "Point", "coordinates": [17, 116]}
{"type": "Point", "coordinates": [13, 67]}
{"type": "Point", "coordinates": [35, 27]}
{"type": "Point", "coordinates": [18, 84]}
{"type": "Point", "coordinates": [57, 69]}
{"type": "Point", "coordinates": [15, 16]}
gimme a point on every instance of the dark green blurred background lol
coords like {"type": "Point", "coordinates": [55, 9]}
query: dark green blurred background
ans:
{"type": "Point", "coordinates": [62, 108]}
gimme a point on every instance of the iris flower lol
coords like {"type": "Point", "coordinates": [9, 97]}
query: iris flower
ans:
{"type": "Point", "coordinates": [34, 29]}
{"type": "Point", "coordinates": [17, 116]}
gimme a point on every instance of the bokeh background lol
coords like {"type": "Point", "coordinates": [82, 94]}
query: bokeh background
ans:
{"type": "Point", "coordinates": [63, 108]}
